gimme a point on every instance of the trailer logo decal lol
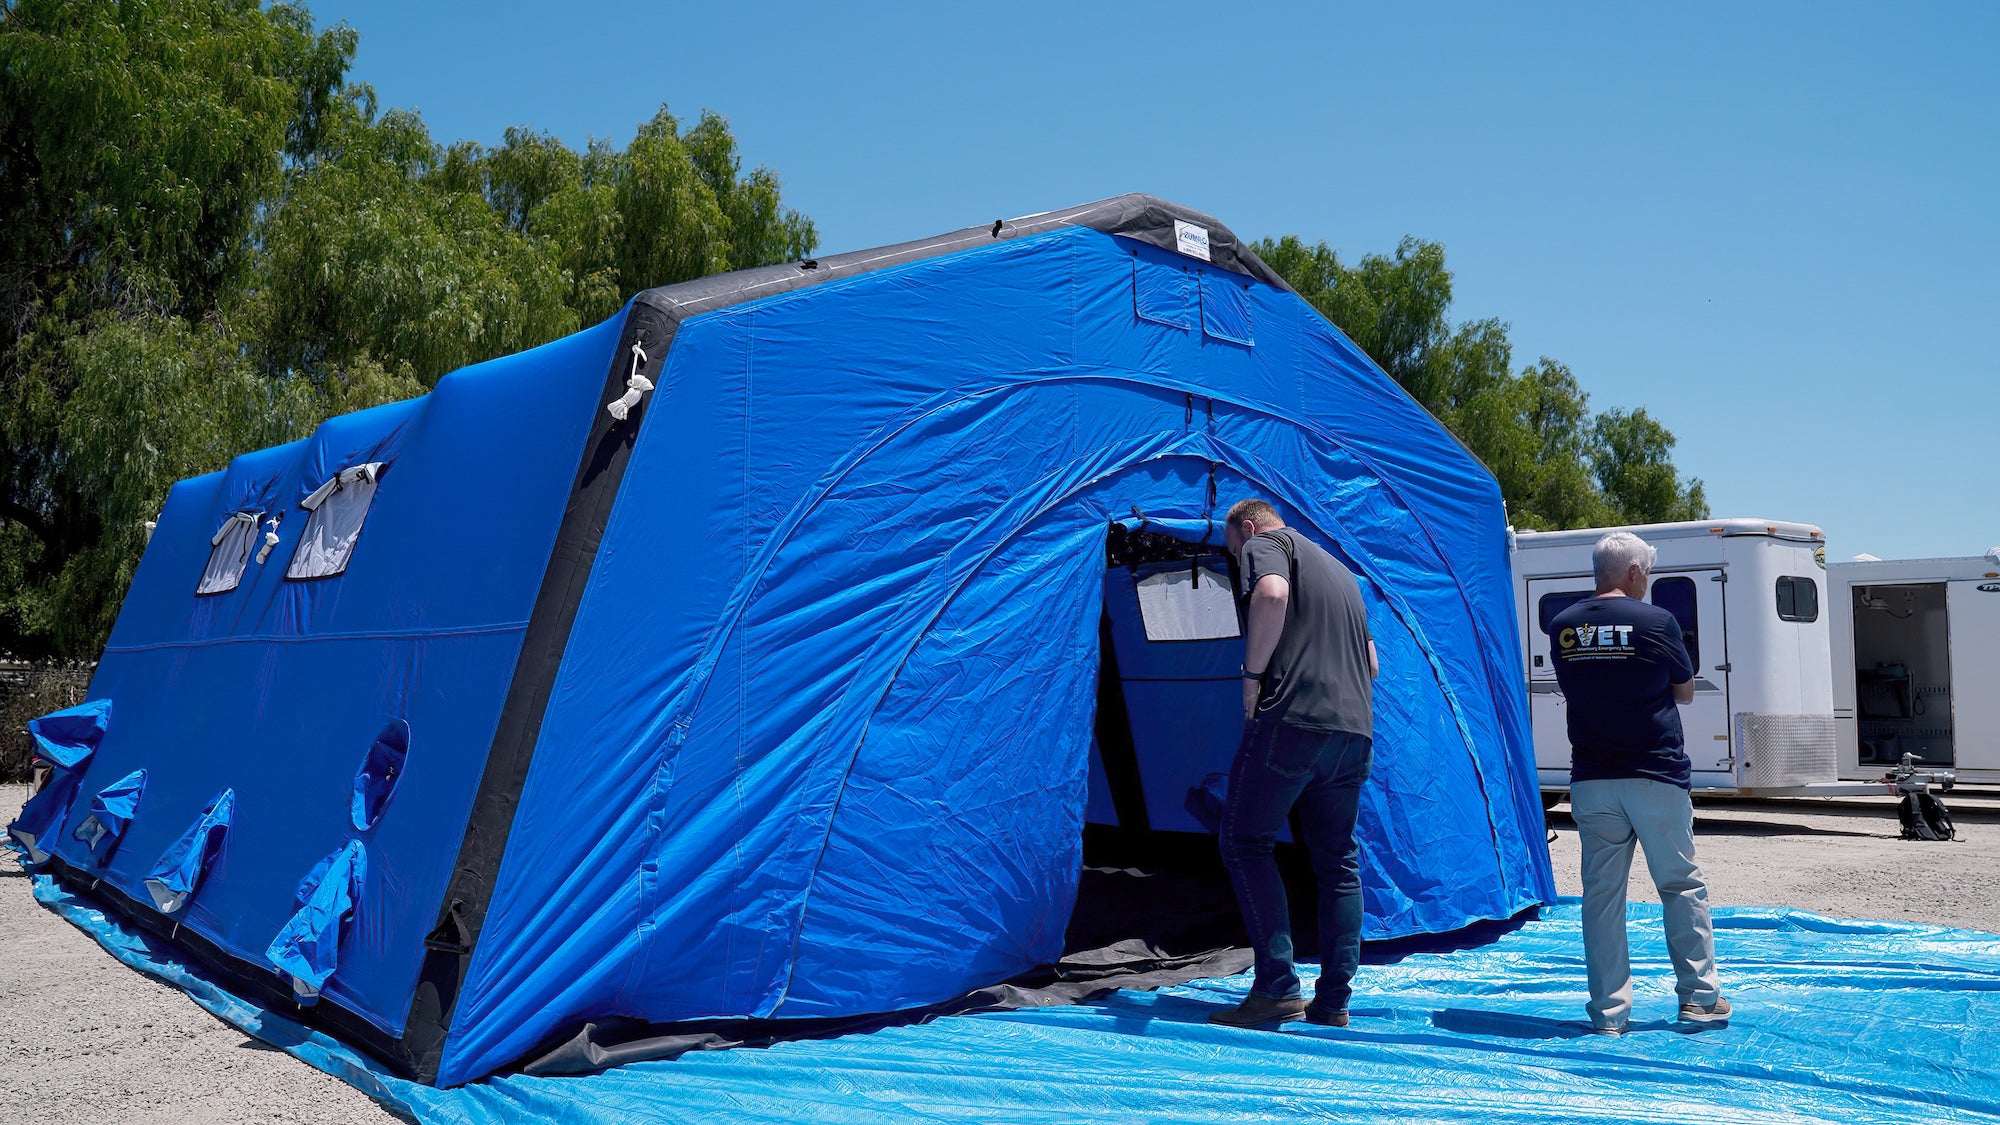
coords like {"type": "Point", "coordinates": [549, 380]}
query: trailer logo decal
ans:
{"type": "Point", "coordinates": [1989, 587]}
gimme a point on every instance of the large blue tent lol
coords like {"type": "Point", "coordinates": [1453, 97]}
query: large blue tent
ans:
{"type": "Point", "coordinates": [760, 654]}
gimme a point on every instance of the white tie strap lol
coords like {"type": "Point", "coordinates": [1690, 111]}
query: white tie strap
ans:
{"type": "Point", "coordinates": [636, 385]}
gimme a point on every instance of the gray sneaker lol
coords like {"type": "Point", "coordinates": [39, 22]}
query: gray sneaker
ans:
{"type": "Point", "coordinates": [1614, 1032]}
{"type": "Point", "coordinates": [1717, 1012]}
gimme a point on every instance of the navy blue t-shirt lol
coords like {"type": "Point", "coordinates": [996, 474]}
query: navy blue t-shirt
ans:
{"type": "Point", "coordinates": [1616, 661]}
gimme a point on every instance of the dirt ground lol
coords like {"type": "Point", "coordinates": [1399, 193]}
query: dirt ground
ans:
{"type": "Point", "coordinates": [91, 1040]}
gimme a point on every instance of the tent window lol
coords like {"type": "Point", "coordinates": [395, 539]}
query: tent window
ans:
{"type": "Point", "coordinates": [381, 768]}
{"type": "Point", "coordinates": [111, 812]}
{"type": "Point", "coordinates": [1798, 599]}
{"type": "Point", "coordinates": [1676, 596]}
{"type": "Point", "coordinates": [66, 740]}
{"type": "Point", "coordinates": [338, 507]}
{"type": "Point", "coordinates": [1187, 603]}
{"type": "Point", "coordinates": [229, 553]}
{"type": "Point", "coordinates": [307, 949]}
{"type": "Point", "coordinates": [1225, 310]}
{"type": "Point", "coordinates": [1163, 294]}
{"type": "Point", "coordinates": [187, 861]}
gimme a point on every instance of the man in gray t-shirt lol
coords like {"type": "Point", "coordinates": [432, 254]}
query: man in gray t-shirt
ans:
{"type": "Point", "coordinates": [1308, 674]}
{"type": "Point", "coordinates": [1320, 677]}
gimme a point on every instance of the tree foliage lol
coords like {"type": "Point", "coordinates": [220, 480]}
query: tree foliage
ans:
{"type": "Point", "coordinates": [214, 242]}
{"type": "Point", "coordinates": [1558, 466]}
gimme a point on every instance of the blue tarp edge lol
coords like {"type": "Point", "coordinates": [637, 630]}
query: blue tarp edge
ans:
{"type": "Point", "coordinates": [1821, 1036]}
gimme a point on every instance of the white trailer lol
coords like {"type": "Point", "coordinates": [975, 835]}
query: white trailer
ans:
{"type": "Point", "coordinates": [1747, 594]}
{"type": "Point", "coordinates": [1916, 664]}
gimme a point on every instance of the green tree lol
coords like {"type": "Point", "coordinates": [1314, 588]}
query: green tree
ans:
{"type": "Point", "coordinates": [213, 243]}
{"type": "Point", "coordinates": [1557, 466]}
{"type": "Point", "coordinates": [138, 142]}
{"type": "Point", "coordinates": [1632, 455]}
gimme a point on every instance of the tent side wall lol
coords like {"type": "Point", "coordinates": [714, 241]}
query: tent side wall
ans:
{"type": "Point", "coordinates": [276, 688]}
{"type": "Point", "coordinates": [825, 480]}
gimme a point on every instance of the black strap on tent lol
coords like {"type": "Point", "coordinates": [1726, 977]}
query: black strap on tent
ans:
{"type": "Point", "coordinates": [453, 939]}
{"type": "Point", "coordinates": [1115, 746]}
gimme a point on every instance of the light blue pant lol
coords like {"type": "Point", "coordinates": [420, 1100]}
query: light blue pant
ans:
{"type": "Point", "coordinates": [1612, 816]}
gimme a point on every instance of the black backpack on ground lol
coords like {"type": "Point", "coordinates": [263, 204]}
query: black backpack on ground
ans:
{"type": "Point", "coordinates": [1924, 817]}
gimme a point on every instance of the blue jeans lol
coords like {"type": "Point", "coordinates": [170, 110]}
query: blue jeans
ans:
{"type": "Point", "coordinates": [1276, 768]}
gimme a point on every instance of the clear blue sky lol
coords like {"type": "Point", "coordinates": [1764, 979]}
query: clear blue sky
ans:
{"type": "Point", "coordinates": [1775, 226]}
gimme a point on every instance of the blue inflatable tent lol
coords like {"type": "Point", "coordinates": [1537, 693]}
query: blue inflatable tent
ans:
{"type": "Point", "coordinates": [760, 654]}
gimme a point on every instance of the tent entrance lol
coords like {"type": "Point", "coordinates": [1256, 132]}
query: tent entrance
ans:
{"type": "Point", "coordinates": [1169, 700]}
{"type": "Point", "coordinates": [1154, 905]}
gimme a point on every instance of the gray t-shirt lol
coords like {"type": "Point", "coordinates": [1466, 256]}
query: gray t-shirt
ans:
{"type": "Point", "coordinates": [1318, 675]}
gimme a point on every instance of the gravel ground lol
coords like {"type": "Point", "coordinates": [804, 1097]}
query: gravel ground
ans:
{"type": "Point", "coordinates": [94, 1041]}
{"type": "Point", "coordinates": [1843, 859]}
{"type": "Point", "coordinates": [91, 1040]}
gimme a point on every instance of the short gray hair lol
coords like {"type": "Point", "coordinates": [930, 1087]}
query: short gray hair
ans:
{"type": "Point", "coordinates": [1616, 554]}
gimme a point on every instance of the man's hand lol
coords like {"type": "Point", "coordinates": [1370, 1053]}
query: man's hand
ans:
{"type": "Point", "coordinates": [1251, 689]}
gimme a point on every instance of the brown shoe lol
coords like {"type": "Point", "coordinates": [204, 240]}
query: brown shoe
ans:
{"type": "Point", "coordinates": [1326, 1015]}
{"type": "Point", "coordinates": [1717, 1012]}
{"type": "Point", "coordinates": [1256, 1011]}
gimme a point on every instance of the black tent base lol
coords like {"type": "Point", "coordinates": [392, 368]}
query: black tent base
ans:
{"type": "Point", "coordinates": [258, 984]}
{"type": "Point", "coordinates": [1154, 909]}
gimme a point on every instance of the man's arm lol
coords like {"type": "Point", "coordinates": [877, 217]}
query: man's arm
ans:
{"type": "Point", "coordinates": [1683, 692]}
{"type": "Point", "coordinates": [1374, 662]}
{"type": "Point", "coordinates": [1264, 621]}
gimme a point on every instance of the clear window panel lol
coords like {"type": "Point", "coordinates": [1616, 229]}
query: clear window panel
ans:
{"type": "Point", "coordinates": [1175, 606]}
{"type": "Point", "coordinates": [339, 508]}
{"type": "Point", "coordinates": [229, 553]}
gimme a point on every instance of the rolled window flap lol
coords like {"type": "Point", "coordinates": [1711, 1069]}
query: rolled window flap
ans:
{"type": "Point", "coordinates": [67, 738]}
{"type": "Point", "coordinates": [231, 525]}
{"type": "Point", "coordinates": [111, 812]}
{"type": "Point", "coordinates": [370, 472]}
{"type": "Point", "coordinates": [307, 948]}
{"type": "Point", "coordinates": [381, 768]}
{"type": "Point", "coordinates": [178, 874]}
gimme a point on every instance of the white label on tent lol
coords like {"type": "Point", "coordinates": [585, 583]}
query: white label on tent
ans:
{"type": "Point", "coordinates": [1173, 608]}
{"type": "Point", "coordinates": [1191, 240]}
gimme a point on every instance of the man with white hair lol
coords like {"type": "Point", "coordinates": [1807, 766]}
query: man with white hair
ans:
{"type": "Point", "coordinates": [1623, 670]}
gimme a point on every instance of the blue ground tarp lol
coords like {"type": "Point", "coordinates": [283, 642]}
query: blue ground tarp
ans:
{"type": "Point", "coordinates": [1837, 1022]}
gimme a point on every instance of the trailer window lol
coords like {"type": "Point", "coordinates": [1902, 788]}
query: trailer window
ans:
{"type": "Point", "coordinates": [1676, 596]}
{"type": "Point", "coordinates": [1798, 599]}
{"type": "Point", "coordinates": [1553, 604]}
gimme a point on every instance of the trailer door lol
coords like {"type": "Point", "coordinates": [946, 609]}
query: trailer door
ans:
{"type": "Point", "coordinates": [1972, 612]}
{"type": "Point", "coordinates": [1696, 599]}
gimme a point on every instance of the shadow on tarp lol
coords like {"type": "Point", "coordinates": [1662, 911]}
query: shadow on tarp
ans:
{"type": "Point", "coordinates": [1836, 1022]}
